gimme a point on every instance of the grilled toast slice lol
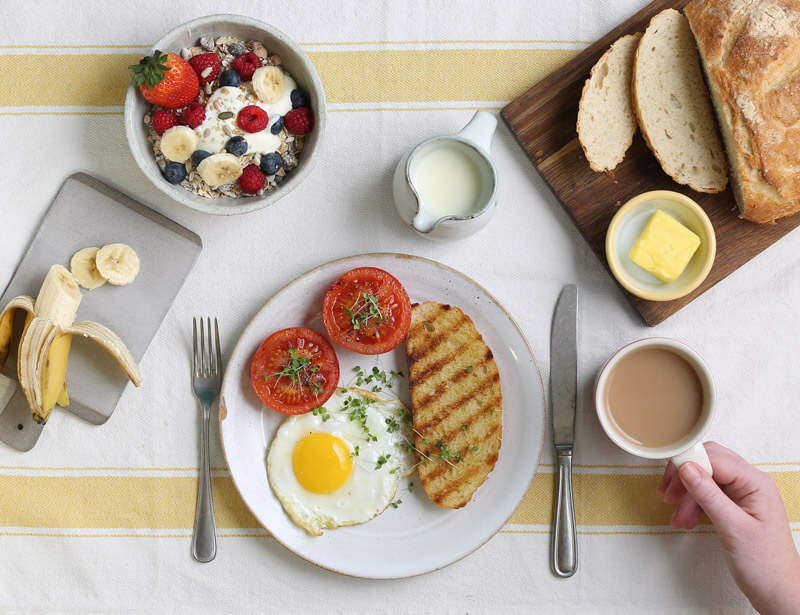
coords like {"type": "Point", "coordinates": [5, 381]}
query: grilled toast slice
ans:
{"type": "Point", "coordinates": [456, 402]}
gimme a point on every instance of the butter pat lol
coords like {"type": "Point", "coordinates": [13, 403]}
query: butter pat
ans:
{"type": "Point", "coordinates": [665, 247]}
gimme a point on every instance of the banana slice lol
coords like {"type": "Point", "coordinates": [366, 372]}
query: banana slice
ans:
{"type": "Point", "coordinates": [84, 268]}
{"type": "Point", "coordinates": [117, 263]}
{"type": "Point", "coordinates": [220, 169]}
{"type": "Point", "coordinates": [268, 83]}
{"type": "Point", "coordinates": [178, 143]}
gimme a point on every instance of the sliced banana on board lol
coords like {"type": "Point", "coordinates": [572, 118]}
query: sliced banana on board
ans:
{"type": "Point", "coordinates": [220, 169]}
{"type": "Point", "coordinates": [117, 263]}
{"type": "Point", "coordinates": [83, 267]}
{"type": "Point", "coordinates": [178, 143]}
{"type": "Point", "coordinates": [268, 84]}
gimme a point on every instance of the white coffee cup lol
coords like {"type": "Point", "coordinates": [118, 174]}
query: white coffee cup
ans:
{"type": "Point", "coordinates": [690, 447]}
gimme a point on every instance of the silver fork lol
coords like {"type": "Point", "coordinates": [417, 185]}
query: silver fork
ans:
{"type": "Point", "coordinates": [206, 369]}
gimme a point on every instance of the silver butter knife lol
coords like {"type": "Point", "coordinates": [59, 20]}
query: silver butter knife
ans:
{"type": "Point", "coordinates": [563, 387]}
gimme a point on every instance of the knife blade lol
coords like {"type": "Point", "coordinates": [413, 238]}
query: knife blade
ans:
{"type": "Point", "coordinates": [563, 395]}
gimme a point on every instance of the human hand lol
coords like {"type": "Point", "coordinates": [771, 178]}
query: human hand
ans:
{"type": "Point", "coordinates": [748, 513]}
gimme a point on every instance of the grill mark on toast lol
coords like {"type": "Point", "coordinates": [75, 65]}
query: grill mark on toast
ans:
{"type": "Point", "coordinates": [457, 377]}
{"type": "Point", "coordinates": [416, 356]}
{"type": "Point", "coordinates": [441, 494]}
{"type": "Point", "coordinates": [496, 402]}
{"type": "Point", "coordinates": [444, 467]}
{"type": "Point", "coordinates": [441, 413]}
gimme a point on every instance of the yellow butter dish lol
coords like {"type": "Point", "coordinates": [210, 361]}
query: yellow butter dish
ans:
{"type": "Point", "coordinates": [665, 247]}
{"type": "Point", "coordinates": [660, 245]}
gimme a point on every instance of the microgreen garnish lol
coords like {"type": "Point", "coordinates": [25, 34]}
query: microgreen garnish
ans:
{"type": "Point", "coordinates": [365, 308]}
{"type": "Point", "coordinates": [300, 372]}
{"type": "Point", "coordinates": [464, 428]}
{"type": "Point", "coordinates": [398, 501]}
{"type": "Point", "coordinates": [322, 412]}
{"type": "Point", "coordinates": [468, 368]}
{"type": "Point", "coordinates": [378, 376]}
{"type": "Point", "coordinates": [391, 425]}
{"type": "Point", "coordinates": [355, 451]}
{"type": "Point", "coordinates": [382, 461]}
{"type": "Point", "coordinates": [445, 453]}
{"type": "Point", "coordinates": [473, 448]}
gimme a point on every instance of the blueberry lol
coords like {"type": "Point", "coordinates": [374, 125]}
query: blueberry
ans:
{"type": "Point", "coordinates": [230, 78]}
{"type": "Point", "coordinates": [236, 146]}
{"type": "Point", "coordinates": [237, 49]}
{"type": "Point", "coordinates": [175, 172]}
{"type": "Point", "coordinates": [298, 99]}
{"type": "Point", "coordinates": [199, 155]}
{"type": "Point", "coordinates": [271, 163]}
{"type": "Point", "coordinates": [277, 126]}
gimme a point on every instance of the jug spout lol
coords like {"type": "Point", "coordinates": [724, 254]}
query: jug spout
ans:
{"type": "Point", "coordinates": [424, 222]}
{"type": "Point", "coordinates": [480, 131]}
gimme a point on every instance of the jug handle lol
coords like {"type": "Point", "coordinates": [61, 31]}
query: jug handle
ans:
{"type": "Point", "coordinates": [480, 131]}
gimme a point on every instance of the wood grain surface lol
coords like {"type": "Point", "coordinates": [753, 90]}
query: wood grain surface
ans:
{"type": "Point", "coordinates": [543, 121]}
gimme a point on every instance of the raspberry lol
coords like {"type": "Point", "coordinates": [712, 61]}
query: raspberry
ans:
{"type": "Point", "coordinates": [193, 115]}
{"type": "Point", "coordinates": [252, 119]}
{"type": "Point", "coordinates": [164, 120]}
{"type": "Point", "coordinates": [207, 66]}
{"type": "Point", "coordinates": [246, 64]}
{"type": "Point", "coordinates": [251, 179]}
{"type": "Point", "coordinates": [299, 121]}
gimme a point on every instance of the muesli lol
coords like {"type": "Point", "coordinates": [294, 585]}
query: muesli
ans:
{"type": "Point", "coordinates": [227, 119]}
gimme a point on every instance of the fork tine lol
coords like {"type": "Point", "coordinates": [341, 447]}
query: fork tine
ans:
{"type": "Point", "coordinates": [194, 351]}
{"type": "Point", "coordinates": [209, 348]}
{"type": "Point", "coordinates": [202, 349]}
{"type": "Point", "coordinates": [218, 363]}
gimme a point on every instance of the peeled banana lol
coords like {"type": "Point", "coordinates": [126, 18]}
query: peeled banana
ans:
{"type": "Point", "coordinates": [117, 263]}
{"type": "Point", "coordinates": [45, 343]}
{"type": "Point", "coordinates": [220, 169]}
{"type": "Point", "coordinates": [84, 268]}
{"type": "Point", "coordinates": [268, 83]}
{"type": "Point", "coordinates": [178, 143]}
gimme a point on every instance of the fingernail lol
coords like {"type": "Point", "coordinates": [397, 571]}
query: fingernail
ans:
{"type": "Point", "coordinates": [689, 474]}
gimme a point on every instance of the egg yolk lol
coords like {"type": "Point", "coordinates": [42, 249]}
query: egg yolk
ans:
{"type": "Point", "coordinates": [321, 463]}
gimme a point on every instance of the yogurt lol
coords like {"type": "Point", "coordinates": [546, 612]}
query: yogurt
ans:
{"type": "Point", "coordinates": [211, 133]}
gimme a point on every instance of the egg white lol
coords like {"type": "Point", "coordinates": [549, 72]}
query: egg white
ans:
{"type": "Point", "coordinates": [370, 487]}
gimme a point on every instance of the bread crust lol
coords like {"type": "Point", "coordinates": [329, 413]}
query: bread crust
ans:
{"type": "Point", "coordinates": [582, 107]}
{"type": "Point", "coordinates": [638, 106]}
{"type": "Point", "coordinates": [751, 55]}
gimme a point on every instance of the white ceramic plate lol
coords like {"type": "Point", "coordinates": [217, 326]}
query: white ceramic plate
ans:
{"type": "Point", "coordinates": [417, 536]}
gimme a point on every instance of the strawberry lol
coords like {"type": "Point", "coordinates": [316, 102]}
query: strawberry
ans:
{"type": "Point", "coordinates": [246, 64]}
{"type": "Point", "coordinates": [207, 66]}
{"type": "Point", "coordinates": [166, 79]}
{"type": "Point", "coordinates": [251, 179]}
{"type": "Point", "coordinates": [163, 120]}
{"type": "Point", "coordinates": [193, 115]}
{"type": "Point", "coordinates": [299, 121]}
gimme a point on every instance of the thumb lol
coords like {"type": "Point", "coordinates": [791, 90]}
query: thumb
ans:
{"type": "Point", "coordinates": [718, 506]}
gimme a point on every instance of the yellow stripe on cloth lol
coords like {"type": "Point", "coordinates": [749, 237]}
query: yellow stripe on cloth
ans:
{"type": "Point", "coordinates": [91, 80]}
{"type": "Point", "coordinates": [115, 502]}
{"type": "Point", "coordinates": [162, 503]}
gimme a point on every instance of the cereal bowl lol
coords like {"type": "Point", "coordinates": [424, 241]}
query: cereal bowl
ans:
{"type": "Point", "coordinates": [293, 60]}
{"type": "Point", "coordinates": [629, 222]}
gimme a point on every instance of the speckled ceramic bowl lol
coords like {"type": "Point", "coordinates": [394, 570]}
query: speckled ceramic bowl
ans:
{"type": "Point", "coordinates": [296, 63]}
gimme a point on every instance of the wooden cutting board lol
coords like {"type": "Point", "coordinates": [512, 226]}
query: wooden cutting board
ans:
{"type": "Point", "coordinates": [543, 121]}
{"type": "Point", "coordinates": [87, 212]}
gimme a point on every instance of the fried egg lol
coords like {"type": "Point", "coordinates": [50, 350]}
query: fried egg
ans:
{"type": "Point", "coordinates": [341, 464]}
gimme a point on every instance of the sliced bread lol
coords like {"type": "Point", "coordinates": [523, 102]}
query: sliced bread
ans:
{"type": "Point", "coordinates": [606, 121]}
{"type": "Point", "coordinates": [672, 105]}
{"type": "Point", "coordinates": [456, 403]}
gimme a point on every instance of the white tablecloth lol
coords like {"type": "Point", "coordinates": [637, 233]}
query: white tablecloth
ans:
{"type": "Point", "coordinates": [99, 518]}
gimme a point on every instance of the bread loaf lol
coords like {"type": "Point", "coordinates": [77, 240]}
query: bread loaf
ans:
{"type": "Point", "coordinates": [672, 105]}
{"type": "Point", "coordinates": [751, 55]}
{"type": "Point", "coordinates": [456, 402]}
{"type": "Point", "coordinates": [606, 122]}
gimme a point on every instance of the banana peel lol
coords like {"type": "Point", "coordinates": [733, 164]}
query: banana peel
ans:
{"type": "Point", "coordinates": [46, 340]}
